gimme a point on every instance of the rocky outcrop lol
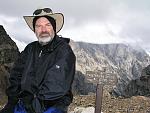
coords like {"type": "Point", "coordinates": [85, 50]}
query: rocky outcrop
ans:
{"type": "Point", "coordinates": [139, 86]}
{"type": "Point", "coordinates": [8, 48]}
{"type": "Point", "coordinates": [81, 86]}
{"type": "Point", "coordinates": [8, 54]}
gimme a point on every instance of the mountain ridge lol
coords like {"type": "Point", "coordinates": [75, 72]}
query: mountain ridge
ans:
{"type": "Point", "coordinates": [121, 60]}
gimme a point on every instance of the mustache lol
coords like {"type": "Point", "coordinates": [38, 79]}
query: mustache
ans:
{"type": "Point", "coordinates": [44, 34]}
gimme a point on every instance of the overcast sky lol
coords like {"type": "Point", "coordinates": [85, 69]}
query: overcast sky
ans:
{"type": "Point", "coordinates": [94, 21]}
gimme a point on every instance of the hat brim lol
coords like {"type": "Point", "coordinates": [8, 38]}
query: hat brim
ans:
{"type": "Point", "coordinates": [58, 17]}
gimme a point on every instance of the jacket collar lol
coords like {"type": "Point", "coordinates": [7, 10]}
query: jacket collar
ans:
{"type": "Point", "coordinates": [57, 40]}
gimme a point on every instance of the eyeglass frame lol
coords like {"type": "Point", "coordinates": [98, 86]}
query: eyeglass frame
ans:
{"type": "Point", "coordinates": [38, 11]}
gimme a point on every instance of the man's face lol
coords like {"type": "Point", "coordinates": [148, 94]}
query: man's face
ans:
{"type": "Point", "coordinates": [44, 30]}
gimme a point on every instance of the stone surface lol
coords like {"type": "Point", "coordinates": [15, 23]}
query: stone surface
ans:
{"type": "Point", "coordinates": [139, 86]}
{"type": "Point", "coordinates": [111, 104]}
{"type": "Point", "coordinates": [8, 54]}
{"type": "Point", "coordinates": [88, 110]}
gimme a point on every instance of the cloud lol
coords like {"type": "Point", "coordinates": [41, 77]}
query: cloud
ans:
{"type": "Point", "coordinates": [78, 9]}
{"type": "Point", "coordinates": [95, 32]}
{"type": "Point", "coordinates": [17, 28]}
{"type": "Point", "coordinates": [97, 21]}
{"type": "Point", "coordinates": [20, 44]}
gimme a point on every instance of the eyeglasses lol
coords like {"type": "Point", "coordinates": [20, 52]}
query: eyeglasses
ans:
{"type": "Point", "coordinates": [38, 11]}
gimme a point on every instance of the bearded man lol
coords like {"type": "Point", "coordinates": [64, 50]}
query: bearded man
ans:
{"type": "Point", "coordinates": [41, 78]}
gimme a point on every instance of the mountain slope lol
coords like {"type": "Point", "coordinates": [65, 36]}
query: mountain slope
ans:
{"type": "Point", "coordinates": [111, 64]}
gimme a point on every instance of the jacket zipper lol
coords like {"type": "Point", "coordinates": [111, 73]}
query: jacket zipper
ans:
{"type": "Point", "coordinates": [40, 53]}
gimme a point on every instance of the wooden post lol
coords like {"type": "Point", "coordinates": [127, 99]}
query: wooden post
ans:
{"type": "Point", "coordinates": [99, 96]}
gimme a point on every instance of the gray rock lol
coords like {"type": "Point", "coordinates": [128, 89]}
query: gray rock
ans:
{"type": "Point", "coordinates": [8, 54]}
{"type": "Point", "coordinates": [88, 110]}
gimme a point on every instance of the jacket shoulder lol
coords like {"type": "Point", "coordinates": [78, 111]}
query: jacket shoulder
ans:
{"type": "Point", "coordinates": [65, 46]}
{"type": "Point", "coordinates": [30, 46]}
{"type": "Point", "coordinates": [64, 39]}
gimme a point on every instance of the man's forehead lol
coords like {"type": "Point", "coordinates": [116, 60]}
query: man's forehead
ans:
{"type": "Point", "coordinates": [42, 20]}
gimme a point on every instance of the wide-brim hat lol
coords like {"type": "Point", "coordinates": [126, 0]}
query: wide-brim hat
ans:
{"type": "Point", "coordinates": [58, 17]}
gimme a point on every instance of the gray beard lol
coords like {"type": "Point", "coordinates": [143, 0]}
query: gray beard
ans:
{"type": "Point", "coordinates": [45, 40]}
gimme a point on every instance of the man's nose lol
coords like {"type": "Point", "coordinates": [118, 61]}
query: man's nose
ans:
{"type": "Point", "coordinates": [43, 29]}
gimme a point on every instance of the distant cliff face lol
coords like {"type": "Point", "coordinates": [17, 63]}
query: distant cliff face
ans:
{"type": "Point", "coordinates": [8, 54]}
{"type": "Point", "coordinates": [115, 65]}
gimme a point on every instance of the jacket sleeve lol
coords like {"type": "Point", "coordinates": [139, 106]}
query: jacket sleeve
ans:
{"type": "Point", "coordinates": [59, 77]}
{"type": "Point", "coordinates": [15, 74]}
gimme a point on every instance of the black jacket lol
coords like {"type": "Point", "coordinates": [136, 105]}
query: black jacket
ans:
{"type": "Point", "coordinates": [46, 72]}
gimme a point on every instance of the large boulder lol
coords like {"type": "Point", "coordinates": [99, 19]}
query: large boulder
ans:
{"type": "Point", "coordinates": [81, 86]}
{"type": "Point", "coordinates": [8, 54]}
{"type": "Point", "coordinates": [139, 86]}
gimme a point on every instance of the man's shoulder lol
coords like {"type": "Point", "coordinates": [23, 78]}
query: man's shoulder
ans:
{"type": "Point", "coordinates": [31, 45]}
{"type": "Point", "coordinates": [65, 45]}
{"type": "Point", "coordinates": [63, 39]}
